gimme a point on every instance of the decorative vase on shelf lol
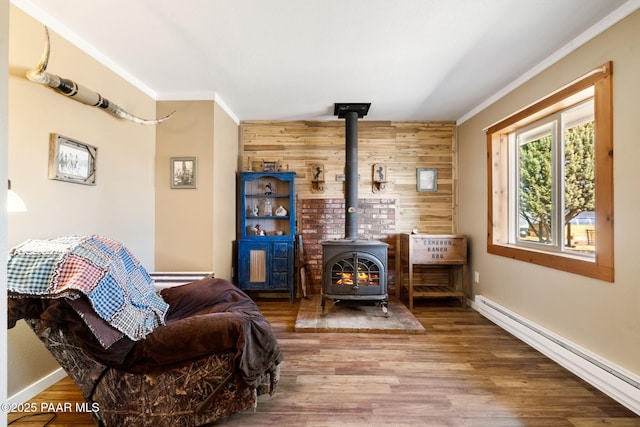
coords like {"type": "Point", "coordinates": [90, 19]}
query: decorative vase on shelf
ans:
{"type": "Point", "coordinates": [267, 208]}
{"type": "Point", "coordinates": [281, 211]}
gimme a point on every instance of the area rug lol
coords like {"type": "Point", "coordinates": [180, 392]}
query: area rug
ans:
{"type": "Point", "coordinates": [355, 316]}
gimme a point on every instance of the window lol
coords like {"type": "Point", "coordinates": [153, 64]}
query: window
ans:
{"type": "Point", "coordinates": [550, 175]}
{"type": "Point", "coordinates": [553, 180]}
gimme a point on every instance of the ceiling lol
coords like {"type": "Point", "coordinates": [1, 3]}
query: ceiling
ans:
{"type": "Point", "coordinates": [292, 59]}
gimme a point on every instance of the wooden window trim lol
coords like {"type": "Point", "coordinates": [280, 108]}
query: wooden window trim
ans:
{"type": "Point", "coordinates": [602, 265]}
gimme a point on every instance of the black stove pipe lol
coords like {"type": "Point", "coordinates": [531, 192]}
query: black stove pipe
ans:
{"type": "Point", "coordinates": [351, 175]}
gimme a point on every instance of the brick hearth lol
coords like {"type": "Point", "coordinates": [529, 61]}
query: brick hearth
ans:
{"type": "Point", "coordinates": [323, 219]}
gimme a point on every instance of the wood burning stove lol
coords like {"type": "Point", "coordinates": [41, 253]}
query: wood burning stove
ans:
{"type": "Point", "coordinates": [353, 269]}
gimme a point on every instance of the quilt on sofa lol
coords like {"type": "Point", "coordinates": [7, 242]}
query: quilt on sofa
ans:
{"type": "Point", "coordinates": [213, 339]}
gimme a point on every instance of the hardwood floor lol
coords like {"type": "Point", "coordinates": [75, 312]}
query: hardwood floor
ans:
{"type": "Point", "coordinates": [464, 372]}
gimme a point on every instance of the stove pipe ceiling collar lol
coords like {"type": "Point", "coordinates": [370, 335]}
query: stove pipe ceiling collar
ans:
{"type": "Point", "coordinates": [341, 109]}
{"type": "Point", "coordinates": [351, 112]}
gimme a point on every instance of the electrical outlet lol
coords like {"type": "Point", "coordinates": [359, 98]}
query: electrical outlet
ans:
{"type": "Point", "coordinates": [476, 276]}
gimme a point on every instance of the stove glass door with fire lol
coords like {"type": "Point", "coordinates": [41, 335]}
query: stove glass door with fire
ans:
{"type": "Point", "coordinates": [355, 274]}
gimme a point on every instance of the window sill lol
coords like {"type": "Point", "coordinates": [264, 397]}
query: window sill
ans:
{"type": "Point", "coordinates": [570, 263]}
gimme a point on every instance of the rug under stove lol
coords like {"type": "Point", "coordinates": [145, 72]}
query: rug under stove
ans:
{"type": "Point", "coordinates": [352, 316]}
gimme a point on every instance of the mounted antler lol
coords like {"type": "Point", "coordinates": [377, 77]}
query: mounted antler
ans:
{"type": "Point", "coordinates": [80, 93]}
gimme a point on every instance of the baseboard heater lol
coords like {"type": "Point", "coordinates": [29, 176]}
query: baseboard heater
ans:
{"type": "Point", "coordinates": [166, 279]}
{"type": "Point", "coordinates": [616, 382]}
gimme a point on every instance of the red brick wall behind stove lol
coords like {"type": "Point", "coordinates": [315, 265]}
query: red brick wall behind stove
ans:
{"type": "Point", "coordinates": [323, 219]}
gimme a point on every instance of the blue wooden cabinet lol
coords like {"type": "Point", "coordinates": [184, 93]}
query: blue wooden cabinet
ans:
{"type": "Point", "coordinates": [266, 231]}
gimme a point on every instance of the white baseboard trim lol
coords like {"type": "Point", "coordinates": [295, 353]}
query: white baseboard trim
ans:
{"type": "Point", "coordinates": [39, 386]}
{"type": "Point", "coordinates": [618, 383]}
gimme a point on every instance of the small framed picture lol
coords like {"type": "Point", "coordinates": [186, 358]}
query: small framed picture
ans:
{"type": "Point", "coordinates": [184, 172]}
{"type": "Point", "coordinates": [71, 160]}
{"type": "Point", "coordinates": [427, 179]}
{"type": "Point", "coordinates": [269, 166]}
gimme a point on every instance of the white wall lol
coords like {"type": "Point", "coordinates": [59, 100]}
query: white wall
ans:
{"type": "Point", "coordinates": [599, 316]}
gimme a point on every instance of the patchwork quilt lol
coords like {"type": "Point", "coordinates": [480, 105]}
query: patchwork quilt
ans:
{"type": "Point", "coordinates": [118, 288]}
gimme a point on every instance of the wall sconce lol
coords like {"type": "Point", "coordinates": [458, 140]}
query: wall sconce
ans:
{"type": "Point", "coordinates": [14, 202]}
{"type": "Point", "coordinates": [317, 178]}
{"type": "Point", "coordinates": [379, 178]}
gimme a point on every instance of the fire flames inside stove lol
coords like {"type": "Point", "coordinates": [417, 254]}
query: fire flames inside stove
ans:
{"type": "Point", "coordinates": [344, 273]}
{"type": "Point", "coordinates": [354, 271]}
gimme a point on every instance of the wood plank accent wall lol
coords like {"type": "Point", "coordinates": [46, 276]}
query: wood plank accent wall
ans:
{"type": "Point", "coordinates": [401, 146]}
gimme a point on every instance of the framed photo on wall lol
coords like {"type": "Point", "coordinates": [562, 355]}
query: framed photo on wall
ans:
{"type": "Point", "coordinates": [427, 179]}
{"type": "Point", "coordinates": [71, 160]}
{"type": "Point", "coordinates": [184, 172]}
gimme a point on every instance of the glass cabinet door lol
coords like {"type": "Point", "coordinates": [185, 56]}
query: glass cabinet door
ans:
{"type": "Point", "coordinates": [267, 205]}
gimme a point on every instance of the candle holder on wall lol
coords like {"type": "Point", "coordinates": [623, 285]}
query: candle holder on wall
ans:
{"type": "Point", "coordinates": [379, 178]}
{"type": "Point", "coordinates": [317, 178]}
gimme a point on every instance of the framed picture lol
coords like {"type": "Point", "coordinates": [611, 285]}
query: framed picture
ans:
{"type": "Point", "coordinates": [71, 160]}
{"type": "Point", "coordinates": [427, 179]}
{"type": "Point", "coordinates": [268, 166]}
{"type": "Point", "coordinates": [184, 172]}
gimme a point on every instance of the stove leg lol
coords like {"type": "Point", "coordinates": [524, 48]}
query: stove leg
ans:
{"type": "Point", "coordinates": [385, 309]}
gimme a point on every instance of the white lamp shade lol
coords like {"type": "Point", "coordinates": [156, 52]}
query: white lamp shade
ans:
{"type": "Point", "coordinates": [15, 202]}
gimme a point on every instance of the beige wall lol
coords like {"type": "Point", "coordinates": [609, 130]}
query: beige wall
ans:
{"type": "Point", "coordinates": [195, 227]}
{"type": "Point", "coordinates": [225, 165]}
{"type": "Point", "coordinates": [120, 206]}
{"type": "Point", "coordinates": [599, 316]}
{"type": "Point", "coordinates": [184, 217]}
{"type": "Point", "coordinates": [4, 70]}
